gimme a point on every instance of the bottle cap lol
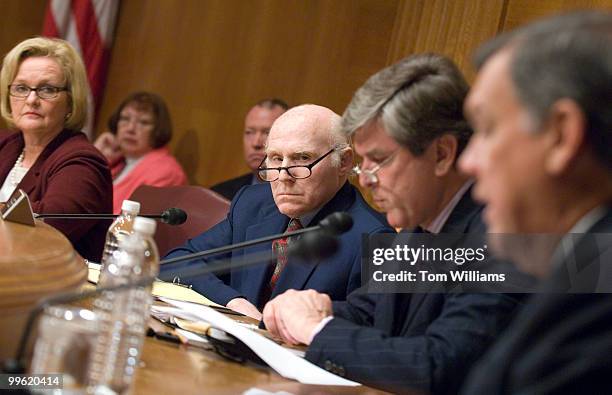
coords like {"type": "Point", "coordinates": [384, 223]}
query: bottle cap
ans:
{"type": "Point", "coordinates": [130, 206]}
{"type": "Point", "coordinates": [144, 226]}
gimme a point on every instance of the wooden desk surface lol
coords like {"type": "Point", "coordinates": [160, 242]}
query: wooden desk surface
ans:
{"type": "Point", "coordinates": [168, 368]}
{"type": "Point", "coordinates": [35, 262]}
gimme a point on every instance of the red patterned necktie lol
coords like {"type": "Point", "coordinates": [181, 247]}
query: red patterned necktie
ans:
{"type": "Point", "coordinates": [279, 246]}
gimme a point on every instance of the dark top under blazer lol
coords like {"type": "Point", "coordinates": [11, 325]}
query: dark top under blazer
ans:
{"type": "Point", "coordinates": [230, 188]}
{"type": "Point", "coordinates": [253, 214]}
{"type": "Point", "coordinates": [69, 176]}
{"type": "Point", "coordinates": [407, 342]}
{"type": "Point", "coordinates": [559, 343]}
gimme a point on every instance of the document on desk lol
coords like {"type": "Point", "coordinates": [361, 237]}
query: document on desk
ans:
{"type": "Point", "coordinates": [160, 288]}
{"type": "Point", "coordinates": [282, 360]}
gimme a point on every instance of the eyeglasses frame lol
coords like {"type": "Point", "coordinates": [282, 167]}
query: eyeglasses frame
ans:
{"type": "Point", "coordinates": [309, 167]}
{"type": "Point", "coordinates": [59, 89]}
{"type": "Point", "coordinates": [371, 173]}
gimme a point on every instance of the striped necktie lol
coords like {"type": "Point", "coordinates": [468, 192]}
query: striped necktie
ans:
{"type": "Point", "coordinates": [279, 246]}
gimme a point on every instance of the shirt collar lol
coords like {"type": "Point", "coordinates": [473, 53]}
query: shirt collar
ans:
{"type": "Point", "coordinates": [308, 217]}
{"type": "Point", "coordinates": [589, 219]}
{"type": "Point", "coordinates": [255, 180]}
{"type": "Point", "coordinates": [437, 224]}
{"type": "Point", "coordinates": [584, 224]}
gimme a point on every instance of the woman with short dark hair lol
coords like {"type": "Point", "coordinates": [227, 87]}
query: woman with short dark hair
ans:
{"type": "Point", "coordinates": [140, 128]}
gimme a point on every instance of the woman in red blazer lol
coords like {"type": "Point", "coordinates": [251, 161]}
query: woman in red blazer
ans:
{"type": "Point", "coordinates": [140, 128]}
{"type": "Point", "coordinates": [43, 92]}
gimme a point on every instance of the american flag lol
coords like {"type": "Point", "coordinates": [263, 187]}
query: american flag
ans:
{"type": "Point", "coordinates": [88, 25]}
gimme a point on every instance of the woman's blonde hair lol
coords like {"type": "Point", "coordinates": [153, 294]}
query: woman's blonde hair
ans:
{"type": "Point", "coordinates": [75, 77]}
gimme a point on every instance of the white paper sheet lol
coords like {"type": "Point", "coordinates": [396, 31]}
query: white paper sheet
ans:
{"type": "Point", "coordinates": [282, 360]}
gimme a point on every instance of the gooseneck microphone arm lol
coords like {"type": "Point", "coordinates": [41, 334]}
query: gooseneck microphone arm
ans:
{"type": "Point", "coordinates": [335, 223]}
{"type": "Point", "coordinates": [231, 247]}
{"type": "Point", "coordinates": [312, 246]}
{"type": "Point", "coordinates": [171, 216]}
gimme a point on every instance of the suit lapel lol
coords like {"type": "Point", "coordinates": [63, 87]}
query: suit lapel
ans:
{"type": "Point", "coordinates": [579, 270]}
{"type": "Point", "coordinates": [30, 180]}
{"type": "Point", "coordinates": [463, 214]}
{"type": "Point", "coordinates": [458, 222]}
{"type": "Point", "coordinates": [11, 152]}
{"type": "Point", "coordinates": [533, 321]}
{"type": "Point", "coordinates": [297, 272]}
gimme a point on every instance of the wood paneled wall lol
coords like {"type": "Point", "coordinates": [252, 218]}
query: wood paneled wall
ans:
{"type": "Point", "coordinates": [521, 12]}
{"type": "Point", "coordinates": [212, 59]}
{"type": "Point", "coordinates": [453, 28]}
{"type": "Point", "coordinates": [19, 19]}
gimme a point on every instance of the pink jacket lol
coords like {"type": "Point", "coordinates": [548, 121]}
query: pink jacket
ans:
{"type": "Point", "coordinates": [157, 168]}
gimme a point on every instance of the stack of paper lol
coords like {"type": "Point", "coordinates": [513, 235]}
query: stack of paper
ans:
{"type": "Point", "coordinates": [282, 360]}
{"type": "Point", "coordinates": [161, 289]}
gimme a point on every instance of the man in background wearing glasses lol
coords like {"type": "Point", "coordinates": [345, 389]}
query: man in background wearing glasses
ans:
{"type": "Point", "coordinates": [407, 124]}
{"type": "Point", "coordinates": [308, 161]}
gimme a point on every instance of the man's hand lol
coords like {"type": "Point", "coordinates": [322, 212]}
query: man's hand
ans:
{"type": "Point", "coordinates": [108, 145]}
{"type": "Point", "coordinates": [245, 307]}
{"type": "Point", "coordinates": [294, 315]}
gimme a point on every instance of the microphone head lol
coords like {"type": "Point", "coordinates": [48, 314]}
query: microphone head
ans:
{"type": "Point", "coordinates": [314, 246]}
{"type": "Point", "coordinates": [337, 223]}
{"type": "Point", "coordinates": [174, 216]}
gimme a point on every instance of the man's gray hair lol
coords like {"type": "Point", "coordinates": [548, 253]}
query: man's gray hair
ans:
{"type": "Point", "coordinates": [566, 56]}
{"type": "Point", "coordinates": [417, 100]}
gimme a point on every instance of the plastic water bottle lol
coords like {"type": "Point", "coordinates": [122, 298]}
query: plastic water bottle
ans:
{"type": "Point", "coordinates": [145, 228]}
{"type": "Point", "coordinates": [123, 315]}
{"type": "Point", "coordinates": [121, 227]}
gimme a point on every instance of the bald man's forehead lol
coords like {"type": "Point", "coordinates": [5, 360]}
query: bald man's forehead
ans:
{"type": "Point", "coordinates": [289, 139]}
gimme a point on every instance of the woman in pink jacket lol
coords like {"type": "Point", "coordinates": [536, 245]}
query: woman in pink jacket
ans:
{"type": "Point", "coordinates": [136, 149]}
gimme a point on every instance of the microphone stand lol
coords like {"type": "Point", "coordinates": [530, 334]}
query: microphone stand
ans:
{"type": "Point", "coordinates": [171, 216]}
{"type": "Point", "coordinates": [91, 216]}
{"type": "Point", "coordinates": [334, 224]}
{"type": "Point", "coordinates": [243, 244]}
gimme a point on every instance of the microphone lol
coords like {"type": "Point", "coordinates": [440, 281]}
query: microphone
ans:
{"type": "Point", "coordinates": [312, 246]}
{"type": "Point", "coordinates": [337, 223]}
{"type": "Point", "coordinates": [171, 216]}
{"type": "Point", "coordinates": [334, 224]}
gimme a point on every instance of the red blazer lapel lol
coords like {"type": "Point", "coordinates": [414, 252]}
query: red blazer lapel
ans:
{"type": "Point", "coordinates": [11, 151]}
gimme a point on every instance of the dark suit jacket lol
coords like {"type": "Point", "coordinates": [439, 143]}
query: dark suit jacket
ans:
{"type": "Point", "coordinates": [69, 176]}
{"type": "Point", "coordinates": [559, 343]}
{"type": "Point", "coordinates": [408, 342]}
{"type": "Point", "coordinates": [230, 188]}
{"type": "Point", "coordinates": [253, 214]}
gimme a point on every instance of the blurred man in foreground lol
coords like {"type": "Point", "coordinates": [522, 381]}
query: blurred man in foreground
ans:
{"type": "Point", "coordinates": [542, 157]}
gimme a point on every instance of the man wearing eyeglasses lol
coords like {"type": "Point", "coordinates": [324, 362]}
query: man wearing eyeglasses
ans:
{"type": "Point", "coordinates": [407, 125]}
{"type": "Point", "coordinates": [307, 163]}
